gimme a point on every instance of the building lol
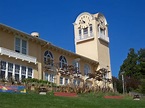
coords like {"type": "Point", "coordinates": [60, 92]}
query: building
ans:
{"type": "Point", "coordinates": [25, 55]}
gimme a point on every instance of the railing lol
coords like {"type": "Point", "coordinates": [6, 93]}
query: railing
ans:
{"type": "Point", "coordinates": [84, 37]}
{"type": "Point", "coordinates": [10, 53]}
{"type": "Point", "coordinates": [103, 37]}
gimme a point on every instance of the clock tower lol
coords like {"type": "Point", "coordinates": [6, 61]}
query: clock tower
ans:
{"type": "Point", "coordinates": [91, 38]}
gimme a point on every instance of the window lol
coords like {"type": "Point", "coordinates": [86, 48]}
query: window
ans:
{"type": "Point", "coordinates": [48, 58]}
{"type": "Point", "coordinates": [80, 33]}
{"type": "Point", "coordinates": [24, 47]}
{"type": "Point", "coordinates": [10, 71]}
{"type": "Point", "coordinates": [17, 72]}
{"type": "Point", "coordinates": [76, 66]}
{"type": "Point", "coordinates": [17, 45]}
{"type": "Point", "coordinates": [86, 69]}
{"type": "Point", "coordinates": [85, 30]}
{"type": "Point", "coordinates": [91, 29]}
{"type": "Point", "coordinates": [76, 82]}
{"type": "Point", "coordinates": [20, 45]}
{"type": "Point", "coordinates": [49, 77]}
{"type": "Point", "coordinates": [23, 72]}
{"type": "Point", "coordinates": [62, 62]}
{"type": "Point", "coordinates": [66, 81]}
{"type": "Point", "coordinates": [29, 72]}
{"type": "Point", "coordinates": [61, 80]}
{"type": "Point", "coordinates": [3, 69]}
{"type": "Point", "coordinates": [46, 76]}
{"type": "Point", "coordinates": [102, 31]}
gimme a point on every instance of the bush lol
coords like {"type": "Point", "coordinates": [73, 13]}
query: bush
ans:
{"type": "Point", "coordinates": [142, 86]}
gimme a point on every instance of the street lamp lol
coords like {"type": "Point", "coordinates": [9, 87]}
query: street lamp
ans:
{"type": "Point", "coordinates": [122, 81]}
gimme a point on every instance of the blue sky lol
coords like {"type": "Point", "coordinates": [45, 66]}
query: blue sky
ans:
{"type": "Point", "coordinates": [53, 20]}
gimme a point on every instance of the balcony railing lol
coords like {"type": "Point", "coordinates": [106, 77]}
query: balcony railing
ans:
{"type": "Point", "coordinates": [84, 37]}
{"type": "Point", "coordinates": [103, 37]}
{"type": "Point", "coordinates": [10, 53]}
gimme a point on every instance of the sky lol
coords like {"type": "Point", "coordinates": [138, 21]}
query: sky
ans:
{"type": "Point", "coordinates": [54, 19]}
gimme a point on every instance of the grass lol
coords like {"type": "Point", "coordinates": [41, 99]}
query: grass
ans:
{"type": "Point", "coordinates": [8, 100]}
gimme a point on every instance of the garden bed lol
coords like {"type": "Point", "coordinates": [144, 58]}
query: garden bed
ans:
{"type": "Point", "coordinates": [65, 94]}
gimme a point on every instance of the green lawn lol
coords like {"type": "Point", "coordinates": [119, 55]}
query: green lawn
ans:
{"type": "Point", "coordinates": [8, 100]}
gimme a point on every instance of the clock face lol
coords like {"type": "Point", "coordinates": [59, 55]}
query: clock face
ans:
{"type": "Point", "coordinates": [84, 21]}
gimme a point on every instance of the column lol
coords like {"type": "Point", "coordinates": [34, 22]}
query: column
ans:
{"type": "Point", "coordinates": [89, 34]}
{"type": "Point", "coordinates": [20, 73]}
{"type": "Point", "coordinates": [6, 72]}
{"type": "Point", "coordinates": [13, 73]}
{"type": "Point", "coordinates": [26, 72]}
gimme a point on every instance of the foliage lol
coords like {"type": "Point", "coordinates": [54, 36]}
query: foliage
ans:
{"type": "Point", "coordinates": [117, 84]}
{"type": "Point", "coordinates": [131, 83]}
{"type": "Point", "coordinates": [134, 69]}
{"type": "Point", "coordinates": [41, 82]}
{"type": "Point", "coordinates": [129, 65]}
{"type": "Point", "coordinates": [141, 62]}
{"type": "Point", "coordinates": [142, 86]}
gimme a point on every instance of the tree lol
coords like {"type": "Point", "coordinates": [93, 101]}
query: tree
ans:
{"type": "Point", "coordinates": [129, 65]}
{"type": "Point", "coordinates": [142, 86]}
{"type": "Point", "coordinates": [141, 62]}
{"type": "Point", "coordinates": [117, 84]}
{"type": "Point", "coordinates": [131, 83]}
{"type": "Point", "coordinates": [134, 70]}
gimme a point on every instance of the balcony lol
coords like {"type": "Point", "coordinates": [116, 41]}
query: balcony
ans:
{"type": "Point", "coordinates": [10, 53]}
{"type": "Point", "coordinates": [84, 37]}
{"type": "Point", "coordinates": [104, 37]}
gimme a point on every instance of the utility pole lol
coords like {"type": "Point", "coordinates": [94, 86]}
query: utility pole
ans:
{"type": "Point", "coordinates": [123, 81]}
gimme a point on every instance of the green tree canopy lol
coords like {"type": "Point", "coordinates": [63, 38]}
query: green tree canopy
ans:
{"type": "Point", "coordinates": [134, 69]}
{"type": "Point", "coordinates": [129, 66]}
{"type": "Point", "coordinates": [141, 62]}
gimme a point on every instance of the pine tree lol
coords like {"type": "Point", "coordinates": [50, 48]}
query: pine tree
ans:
{"type": "Point", "coordinates": [134, 70]}
{"type": "Point", "coordinates": [129, 65]}
{"type": "Point", "coordinates": [141, 62]}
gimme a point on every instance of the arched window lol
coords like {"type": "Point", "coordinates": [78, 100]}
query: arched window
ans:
{"type": "Point", "coordinates": [86, 69]}
{"type": "Point", "coordinates": [85, 32]}
{"type": "Point", "coordinates": [91, 30]}
{"type": "Point", "coordinates": [76, 66]}
{"type": "Point", "coordinates": [62, 61]}
{"type": "Point", "coordinates": [80, 33]}
{"type": "Point", "coordinates": [48, 58]}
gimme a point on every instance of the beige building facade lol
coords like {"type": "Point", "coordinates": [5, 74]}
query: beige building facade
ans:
{"type": "Point", "coordinates": [25, 55]}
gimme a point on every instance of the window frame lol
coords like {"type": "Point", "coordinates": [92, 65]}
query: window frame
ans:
{"type": "Point", "coordinates": [85, 32]}
{"type": "Point", "coordinates": [29, 75]}
{"type": "Point", "coordinates": [76, 65]}
{"type": "Point", "coordinates": [13, 70]}
{"type": "Point", "coordinates": [48, 56]}
{"type": "Point", "coordinates": [23, 74]}
{"type": "Point", "coordinates": [87, 69]}
{"type": "Point", "coordinates": [20, 48]}
{"type": "Point", "coordinates": [62, 61]}
{"type": "Point", "coordinates": [17, 72]}
{"type": "Point", "coordinates": [3, 69]}
{"type": "Point", "coordinates": [66, 81]}
{"type": "Point", "coordinates": [10, 70]}
{"type": "Point", "coordinates": [61, 82]}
